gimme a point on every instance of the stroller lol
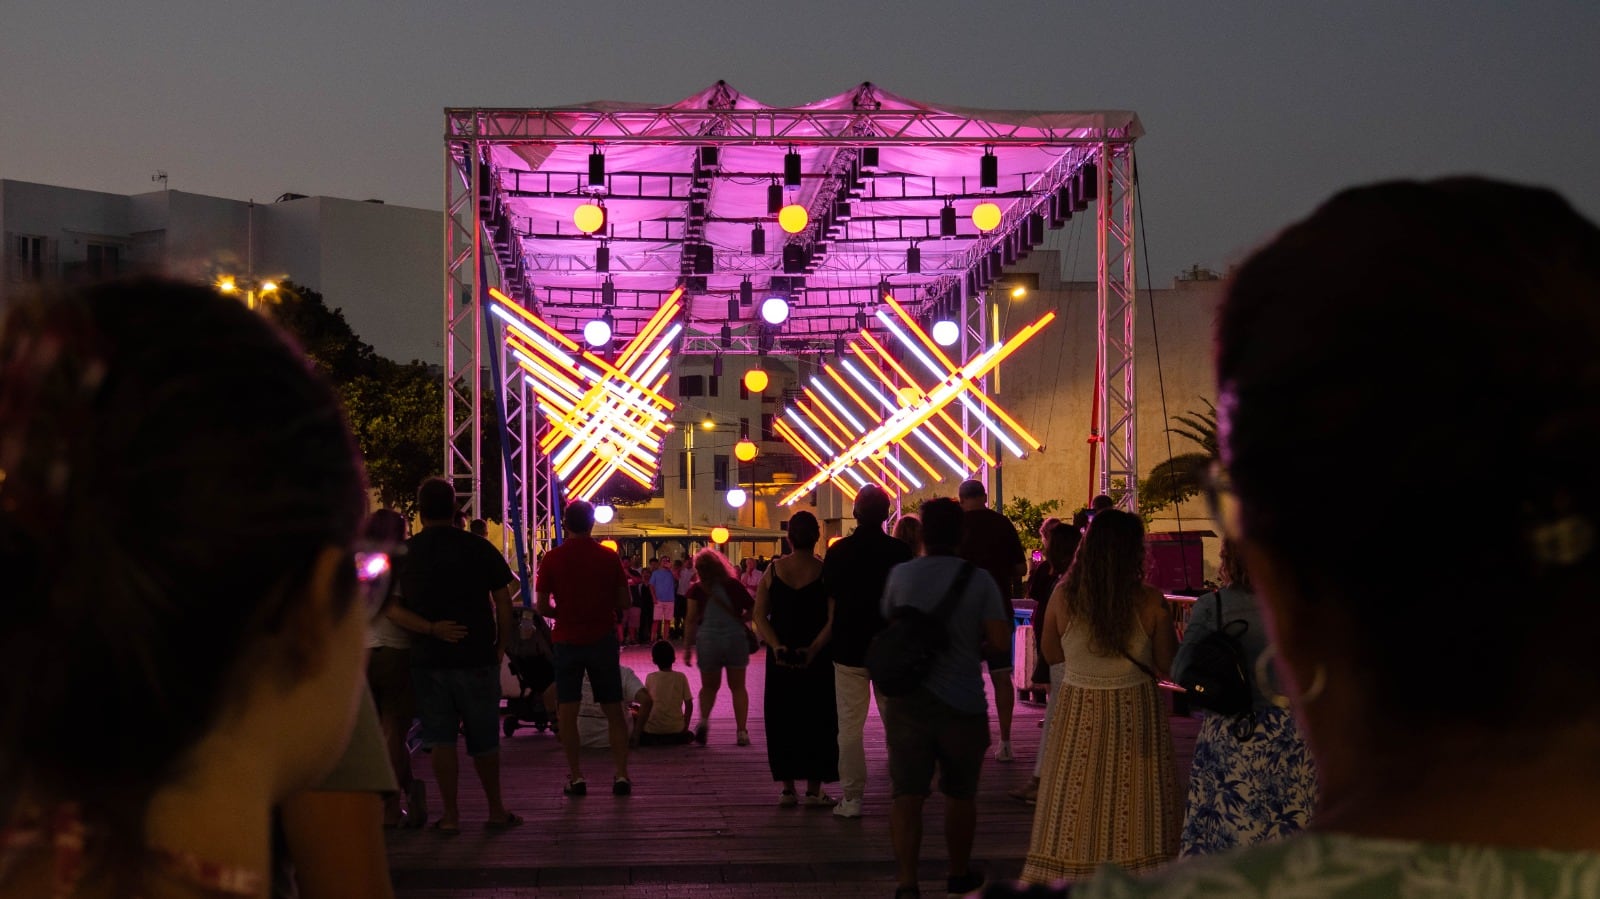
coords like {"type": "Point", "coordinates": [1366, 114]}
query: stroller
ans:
{"type": "Point", "coordinates": [529, 658]}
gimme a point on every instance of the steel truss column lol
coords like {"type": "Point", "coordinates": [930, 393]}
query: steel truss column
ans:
{"type": "Point", "coordinates": [974, 328]}
{"type": "Point", "coordinates": [1116, 292]}
{"type": "Point", "coordinates": [463, 387]}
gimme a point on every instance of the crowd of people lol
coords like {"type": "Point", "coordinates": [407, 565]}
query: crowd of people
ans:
{"type": "Point", "coordinates": [158, 442]}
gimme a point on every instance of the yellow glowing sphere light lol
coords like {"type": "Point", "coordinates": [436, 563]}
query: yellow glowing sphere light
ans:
{"type": "Point", "coordinates": [719, 535]}
{"type": "Point", "coordinates": [792, 218]}
{"type": "Point", "coordinates": [756, 380]}
{"type": "Point", "coordinates": [745, 450]}
{"type": "Point", "coordinates": [986, 216]}
{"type": "Point", "coordinates": [590, 217]}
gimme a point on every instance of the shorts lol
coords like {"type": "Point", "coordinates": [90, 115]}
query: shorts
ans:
{"type": "Point", "coordinates": [714, 652]}
{"type": "Point", "coordinates": [663, 612]}
{"type": "Point", "coordinates": [389, 679]}
{"type": "Point", "coordinates": [1000, 660]}
{"type": "Point", "coordinates": [459, 700]}
{"type": "Point", "coordinates": [925, 733]}
{"type": "Point", "coordinates": [601, 661]}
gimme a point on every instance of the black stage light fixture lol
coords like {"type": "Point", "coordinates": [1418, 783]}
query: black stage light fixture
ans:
{"type": "Point", "coordinates": [841, 210]}
{"type": "Point", "coordinates": [1008, 251]}
{"type": "Point", "coordinates": [697, 210]}
{"type": "Point", "coordinates": [913, 260]}
{"type": "Point", "coordinates": [869, 157]}
{"type": "Point", "coordinates": [1035, 228]}
{"type": "Point", "coordinates": [733, 314]}
{"type": "Point", "coordinates": [883, 288]}
{"type": "Point", "coordinates": [794, 259]}
{"type": "Point", "coordinates": [597, 168]}
{"type": "Point", "coordinates": [710, 157]}
{"type": "Point", "coordinates": [758, 241]}
{"type": "Point", "coordinates": [704, 261]}
{"type": "Point", "coordinates": [694, 284]}
{"type": "Point", "coordinates": [947, 220]}
{"type": "Point", "coordinates": [747, 295]}
{"type": "Point", "coordinates": [602, 259]}
{"type": "Point", "coordinates": [861, 320]}
{"type": "Point", "coordinates": [1088, 182]}
{"type": "Point", "coordinates": [716, 365]}
{"type": "Point", "coordinates": [989, 170]}
{"type": "Point", "coordinates": [791, 168]}
{"type": "Point", "coordinates": [996, 266]}
{"type": "Point", "coordinates": [838, 347]}
{"type": "Point", "coordinates": [608, 293]}
{"type": "Point", "coordinates": [774, 198]}
{"type": "Point", "coordinates": [727, 336]}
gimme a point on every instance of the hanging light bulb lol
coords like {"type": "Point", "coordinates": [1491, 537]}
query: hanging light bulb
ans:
{"type": "Point", "coordinates": [756, 380]}
{"type": "Point", "coordinates": [793, 218]}
{"type": "Point", "coordinates": [603, 514]}
{"type": "Point", "coordinates": [590, 217]}
{"type": "Point", "coordinates": [597, 333]}
{"type": "Point", "coordinates": [775, 310]}
{"type": "Point", "coordinates": [945, 332]}
{"type": "Point", "coordinates": [745, 450]}
{"type": "Point", "coordinates": [719, 535]}
{"type": "Point", "coordinates": [986, 216]}
{"type": "Point", "coordinates": [736, 499]}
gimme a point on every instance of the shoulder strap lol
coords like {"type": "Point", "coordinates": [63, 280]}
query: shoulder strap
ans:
{"type": "Point", "coordinates": [1218, 595]}
{"type": "Point", "coordinates": [957, 587]}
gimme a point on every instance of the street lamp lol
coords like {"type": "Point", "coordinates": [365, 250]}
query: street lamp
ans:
{"type": "Point", "coordinates": [256, 293]}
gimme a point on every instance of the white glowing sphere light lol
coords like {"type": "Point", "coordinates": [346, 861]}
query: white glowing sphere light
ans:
{"type": "Point", "coordinates": [597, 333]}
{"type": "Point", "coordinates": [604, 514]}
{"type": "Point", "coordinates": [737, 497]}
{"type": "Point", "coordinates": [946, 332]}
{"type": "Point", "coordinates": [775, 310]}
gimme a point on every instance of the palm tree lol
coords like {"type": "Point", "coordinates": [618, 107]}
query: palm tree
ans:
{"type": "Point", "coordinates": [1183, 476]}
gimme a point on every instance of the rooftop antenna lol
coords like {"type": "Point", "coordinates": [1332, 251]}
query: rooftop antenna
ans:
{"type": "Point", "coordinates": [160, 175]}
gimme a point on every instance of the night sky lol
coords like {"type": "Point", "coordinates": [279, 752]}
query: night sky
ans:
{"type": "Point", "coordinates": [1254, 112]}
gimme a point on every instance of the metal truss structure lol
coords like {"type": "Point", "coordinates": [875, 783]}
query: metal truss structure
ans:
{"type": "Point", "coordinates": [686, 192]}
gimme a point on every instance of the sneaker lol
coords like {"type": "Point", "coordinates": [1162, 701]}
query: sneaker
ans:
{"type": "Point", "coordinates": [576, 787]}
{"type": "Point", "coordinates": [1004, 753]}
{"type": "Point", "coordinates": [956, 887]}
{"type": "Point", "coordinates": [700, 733]}
{"type": "Point", "coordinates": [787, 799]}
{"type": "Point", "coordinates": [744, 738]}
{"type": "Point", "coordinates": [820, 799]}
{"type": "Point", "coordinates": [622, 786]}
{"type": "Point", "coordinates": [847, 808]}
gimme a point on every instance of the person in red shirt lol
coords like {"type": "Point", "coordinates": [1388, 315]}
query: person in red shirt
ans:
{"type": "Point", "coordinates": [587, 583]}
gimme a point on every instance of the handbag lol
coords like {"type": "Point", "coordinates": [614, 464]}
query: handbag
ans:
{"type": "Point", "coordinates": [751, 641]}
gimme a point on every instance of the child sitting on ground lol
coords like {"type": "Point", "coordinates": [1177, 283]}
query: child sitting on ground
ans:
{"type": "Point", "coordinates": [671, 706]}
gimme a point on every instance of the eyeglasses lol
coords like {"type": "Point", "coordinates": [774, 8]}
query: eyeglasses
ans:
{"type": "Point", "coordinates": [375, 564]}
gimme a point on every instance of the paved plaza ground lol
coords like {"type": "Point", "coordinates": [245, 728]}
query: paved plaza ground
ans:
{"type": "Point", "coordinates": [702, 821]}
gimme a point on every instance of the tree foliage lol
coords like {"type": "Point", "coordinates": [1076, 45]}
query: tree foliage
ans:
{"type": "Point", "coordinates": [1183, 476]}
{"type": "Point", "coordinates": [1027, 516]}
{"type": "Point", "coordinates": [396, 411]}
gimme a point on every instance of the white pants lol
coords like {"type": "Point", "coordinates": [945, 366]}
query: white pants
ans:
{"type": "Point", "coordinates": [1057, 673]}
{"type": "Point", "coordinates": [851, 689]}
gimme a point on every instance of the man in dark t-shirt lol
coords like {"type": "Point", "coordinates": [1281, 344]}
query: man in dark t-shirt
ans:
{"type": "Point", "coordinates": [990, 541]}
{"type": "Point", "coordinates": [452, 575]}
{"type": "Point", "coordinates": [854, 572]}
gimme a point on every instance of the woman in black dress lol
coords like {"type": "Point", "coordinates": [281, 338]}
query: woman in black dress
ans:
{"type": "Point", "coordinates": [793, 619]}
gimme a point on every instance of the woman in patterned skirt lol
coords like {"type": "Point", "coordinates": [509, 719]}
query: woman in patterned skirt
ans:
{"type": "Point", "coordinates": [1108, 791]}
{"type": "Point", "coordinates": [1250, 790]}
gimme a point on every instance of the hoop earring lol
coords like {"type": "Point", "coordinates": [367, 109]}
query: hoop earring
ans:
{"type": "Point", "coordinates": [1268, 684]}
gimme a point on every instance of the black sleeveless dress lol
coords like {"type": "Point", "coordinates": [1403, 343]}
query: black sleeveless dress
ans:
{"type": "Point", "coordinates": [802, 723]}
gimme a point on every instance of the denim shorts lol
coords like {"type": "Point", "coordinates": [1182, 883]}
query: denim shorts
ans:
{"type": "Point", "coordinates": [924, 733]}
{"type": "Point", "coordinates": [716, 651]}
{"type": "Point", "coordinates": [459, 700]}
{"type": "Point", "coordinates": [601, 660]}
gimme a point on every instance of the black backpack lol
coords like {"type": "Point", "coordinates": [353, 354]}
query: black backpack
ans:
{"type": "Point", "coordinates": [1217, 677]}
{"type": "Point", "coordinates": [901, 655]}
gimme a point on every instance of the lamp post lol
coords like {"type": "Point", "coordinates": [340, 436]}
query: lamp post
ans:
{"type": "Point", "coordinates": [256, 290]}
{"type": "Point", "coordinates": [992, 321]}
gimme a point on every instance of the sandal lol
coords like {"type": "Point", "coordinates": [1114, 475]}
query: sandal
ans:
{"type": "Point", "coordinates": [512, 819]}
{"type": "Point", "coordinates": [576, 786]}
{"type": "Point", "coordinates": [787, 799]}
{"type": "Point", "coordinates": [449, 830]}
{"type": "Point", "coordinates": [744, 738]}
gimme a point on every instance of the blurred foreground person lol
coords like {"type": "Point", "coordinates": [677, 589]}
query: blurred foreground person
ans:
{"type": "Point", "coordinates": [180, 501]}
{"type": "Point", "coordinates": [1451, 707]}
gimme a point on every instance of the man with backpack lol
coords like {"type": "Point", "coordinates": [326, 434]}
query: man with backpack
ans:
{"type": "Point", "coordinates": [944, 722]}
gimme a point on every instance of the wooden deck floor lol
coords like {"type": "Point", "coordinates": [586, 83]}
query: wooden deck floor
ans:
{"type": "Point", "coordinates": [701, 821]}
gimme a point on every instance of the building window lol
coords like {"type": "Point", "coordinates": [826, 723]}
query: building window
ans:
{"type": "Point", "coordinates": [29, 257]}
{"type": "Point", "coordinates": [683, 470]}
{"type": "Point", "coordinates": [104, 260]}
{"type": "Point", "coordinates": [712, 383]}
{"type": "Point", "coordinates": [744, 392]}
{"type": "Point", "coordinates": [767, 433]}
{"type": "Point", "coordinates": [719, 473]}
{"type": "Point", "coordinates": [744, 428]}
{"type": "Point", "coordinates": [691, 385]}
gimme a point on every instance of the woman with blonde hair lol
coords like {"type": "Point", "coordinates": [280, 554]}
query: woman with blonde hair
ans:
{"type": "Point", "coordinates": [719, 618]}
